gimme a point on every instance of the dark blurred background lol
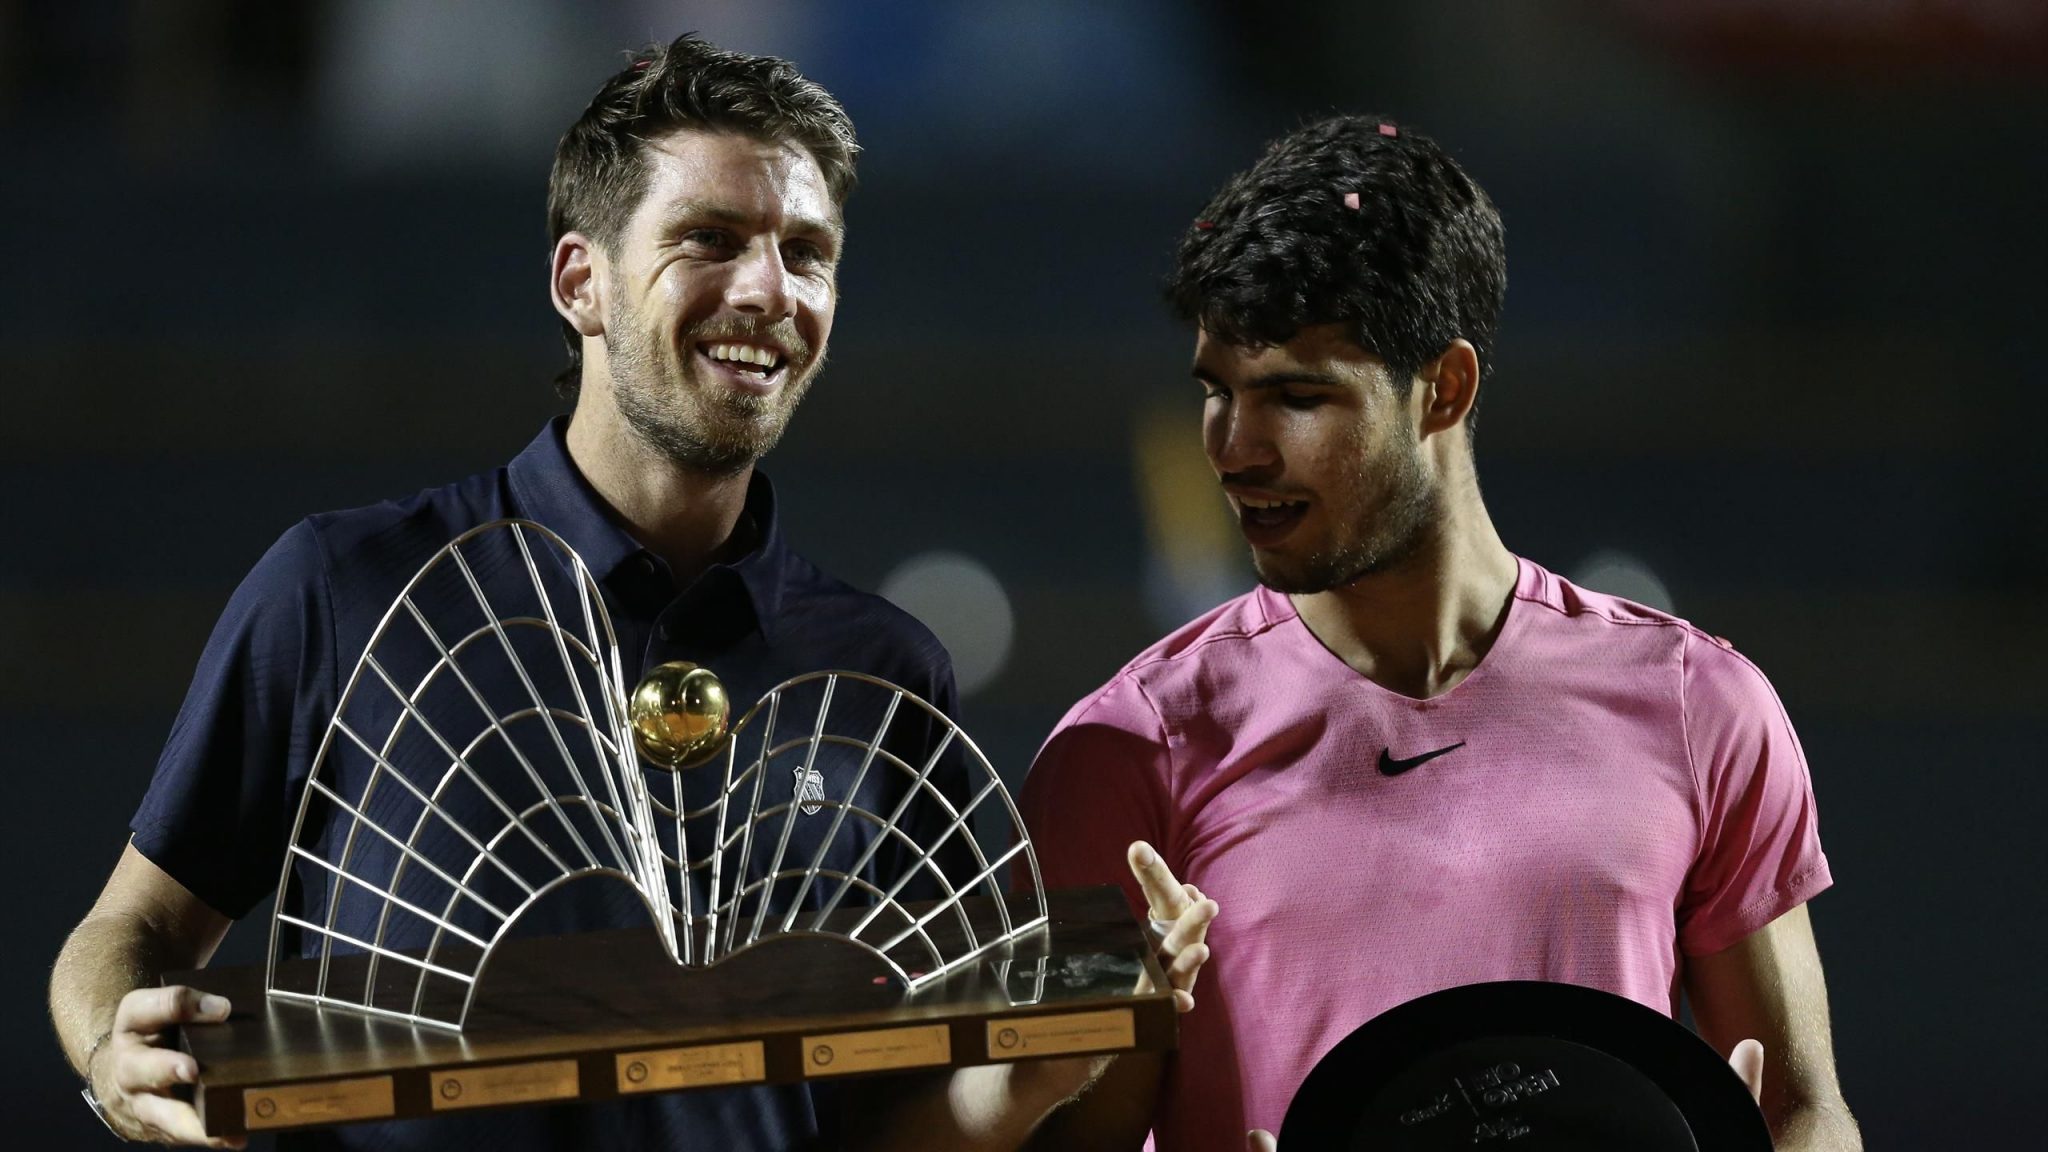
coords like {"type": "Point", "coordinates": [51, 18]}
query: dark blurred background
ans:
{"type": "Point", "coordinates": [1769, 361]}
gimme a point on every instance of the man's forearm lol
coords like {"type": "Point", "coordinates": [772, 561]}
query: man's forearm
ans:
{"type": "Point", "coordinates": [1816, 1128]}
{"type": "Point", "coordinates": [107, 956]}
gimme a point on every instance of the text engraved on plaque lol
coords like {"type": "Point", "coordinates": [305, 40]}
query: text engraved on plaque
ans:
{"type": "Point", "coordinates": [321, 1102]}
{"type": "Point", "coordinates": [503, 1084]}
{"type": "Point", "coordinates": [874, 1051]}
{"type": "Point", "coordinates": [695, 1067]}
{"type": "Point", "coordinates": [1064, 1033]}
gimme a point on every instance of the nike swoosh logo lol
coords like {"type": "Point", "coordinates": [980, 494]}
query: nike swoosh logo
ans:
{"type": "Point", "coordinates": [1392, 767]}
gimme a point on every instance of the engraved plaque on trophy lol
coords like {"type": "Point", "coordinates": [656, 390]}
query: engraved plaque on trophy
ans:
{"type": "Point", "coordinates": [817, 902]}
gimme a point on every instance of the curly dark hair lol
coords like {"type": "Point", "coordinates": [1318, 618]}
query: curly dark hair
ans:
{"type": "Point", "coordinates": [1420, 262]}
{"type": "Point", "coordinates": [600, 170]}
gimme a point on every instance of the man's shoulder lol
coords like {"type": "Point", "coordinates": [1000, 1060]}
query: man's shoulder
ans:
{"type": "Point", "coordinates": [1634, 638]}
{"type": "Point", "coordinates": [1186, 663]}
{"type": "Point", "coordinates": [833, 613]}
{"type": "Point", "coordinates": [1563, 610]}
{"type": "Point", "coordinates": [343, 556]}
{"type": "Point", "coordinates": [401, 527]}
{"type": "Point", "coordinates": [1216, 637]}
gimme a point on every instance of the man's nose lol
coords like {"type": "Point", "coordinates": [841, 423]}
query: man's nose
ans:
{"type": "Point", "coordinates": [760, 283]}
{"type": "Point", "coordinates": [1236, 443]}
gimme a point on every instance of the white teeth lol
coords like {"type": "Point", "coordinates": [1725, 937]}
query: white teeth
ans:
{"type": "Point", "coordinates": [1249, 502]}
{"type": "Point", "coordinates": [741, 354]}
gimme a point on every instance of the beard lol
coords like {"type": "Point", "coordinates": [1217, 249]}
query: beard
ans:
{"type": "Point", "coordinates": [698, 425]}
{"type": "Point", "coordinates": [1381, 536]}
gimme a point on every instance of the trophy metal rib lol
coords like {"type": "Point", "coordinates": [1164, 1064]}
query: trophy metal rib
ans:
{"type": "Point", "coordinates": [921, 782]}
{"type": "Point", "coordinates": [519, 821]}
{"type": "Point", "coordinates": [387, 953]}
{"type": "Point", "coordinates": [393, 897]}
{"type": "Point", "coordinates": [636, 788]}
{"type": "Point", "coordinates": [546, 714]}
{"type": "Point", "coordinates": [803, 776]}
{"type": "Point", "coordinates": [760, 771]}
{"type": "Point", "coordinates": [430, 806]}
{"type": "Point", "coordinates": [925, 854]}
{"type": "Point", "coordinates": [496, 724]}
{"type": "Point", "coordinates": [943, 905]}
{"type": "Point", "coordinates": [831, 836]}
{"type": "Point", "coordinates": [458, 760]}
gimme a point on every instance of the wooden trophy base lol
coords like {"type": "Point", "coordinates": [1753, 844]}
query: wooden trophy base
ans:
{"type": "Point", "coordinates": [604, 1015]}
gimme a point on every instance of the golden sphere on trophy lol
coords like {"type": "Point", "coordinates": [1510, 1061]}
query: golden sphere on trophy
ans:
{"type": "Point", "coordinates": [679, 712]}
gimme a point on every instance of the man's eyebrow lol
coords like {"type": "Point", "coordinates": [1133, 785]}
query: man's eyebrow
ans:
{"type": "Point", "coordinates": [705, 210]}
{"type": "Point", "coordinates": [1274, 379]}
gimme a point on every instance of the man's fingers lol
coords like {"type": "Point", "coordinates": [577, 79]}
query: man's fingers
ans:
{"type": "Point", "coordinates": [1191, 929]}
{"type": "Point", "coordinates": [1748, 1062]}
{"type": "Point", "coordinates": [139, 1068]}
{"type": "Point", "coordinates": [144, 1074]}
{"type": "Point", "coordinates": [1163, 893]}
{"type": "Point", "coordinates": [150, 1010]}
{"type": "Point", "coordinates": [169, 1121]}
{"type": "Point", "coordinates": [1186, 914]}
{"type": "Point", "coordinates": [1187, 966]}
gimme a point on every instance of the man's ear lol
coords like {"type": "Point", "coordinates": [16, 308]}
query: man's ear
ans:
{"type": "Point", "coordinates": [574, 284]}
{"type": "Point", "coordinates": [1450, 387]}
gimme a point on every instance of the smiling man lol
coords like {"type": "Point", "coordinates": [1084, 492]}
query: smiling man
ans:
{"type": "Point", "coordinates": [697, 215]}
{"type": "Point", "coordinates": [1412, 760]}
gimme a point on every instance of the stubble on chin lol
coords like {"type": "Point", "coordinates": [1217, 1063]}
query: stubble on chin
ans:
{"type": "Point", "coordinates": [699, 427]}
{"type": "Point", "coordinates": [1382, 540]}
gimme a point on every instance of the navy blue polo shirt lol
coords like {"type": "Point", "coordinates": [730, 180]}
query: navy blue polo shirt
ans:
{"type": "Point", "coordinates": [219, 810]}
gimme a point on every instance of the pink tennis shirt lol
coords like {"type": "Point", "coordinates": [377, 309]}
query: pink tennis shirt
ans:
{"type": "Point", "coordinates": [1609, 791]}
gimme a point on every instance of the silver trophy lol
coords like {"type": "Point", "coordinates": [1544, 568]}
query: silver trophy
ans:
{"type": "Point", "coordinates": [487, 751]}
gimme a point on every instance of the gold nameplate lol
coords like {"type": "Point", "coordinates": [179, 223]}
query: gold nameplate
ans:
{"type": "Point", "coordinates": [1054, 1035]}
{"type": "Point", "coordinates": [503, 1084]}
{"type": "Point", "coordinates": [321, 1102]}
{"type": "Point", "coordinates": [667, 1068]}
{"type": "Point", "coordinates": [875, 1051]}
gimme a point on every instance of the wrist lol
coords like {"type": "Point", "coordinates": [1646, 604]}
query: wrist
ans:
{"type": "Point", "coordinates": [91, 1091]}
{"type": "Point", "coordinates": [92, 1054]}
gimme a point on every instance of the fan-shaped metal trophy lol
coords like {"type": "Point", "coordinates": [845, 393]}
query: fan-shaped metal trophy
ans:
{"type": "Point", "coordinates": [487, 751]}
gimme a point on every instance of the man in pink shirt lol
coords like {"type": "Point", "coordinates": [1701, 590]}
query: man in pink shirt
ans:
{"type": "Point", "coordinates": [1411, 760]}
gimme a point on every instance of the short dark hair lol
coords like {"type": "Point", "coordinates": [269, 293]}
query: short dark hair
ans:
{"type": "Point", "coordinates": [600, 170]}
{"type": "Point", "coordinates": [1418, 263]}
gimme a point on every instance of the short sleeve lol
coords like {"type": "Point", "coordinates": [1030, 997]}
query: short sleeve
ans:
{"type": "Point", "coordinates": [1760, 853]}
{"type": "Point", "coordinates": [1101, 781]}
{"type": "Point", "coordinates": [214, 816]}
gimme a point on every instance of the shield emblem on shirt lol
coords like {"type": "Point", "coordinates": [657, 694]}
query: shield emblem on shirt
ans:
{"type": "Point", "coordinates": [810, 790]}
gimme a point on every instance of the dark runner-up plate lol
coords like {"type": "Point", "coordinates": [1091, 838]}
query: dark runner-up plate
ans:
{"type": "Point", "coordinates": [1523, 1066]}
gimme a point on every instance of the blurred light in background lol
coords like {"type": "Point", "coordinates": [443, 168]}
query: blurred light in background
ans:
{"type": "Point", "coordinates": [1620, 574]}
{"type": "Point", "coordinates": [1194, 557]}
{"type": "Point", "coordinates": [438, 85]}
{"type": "Point", "coordinates": [964, 605]}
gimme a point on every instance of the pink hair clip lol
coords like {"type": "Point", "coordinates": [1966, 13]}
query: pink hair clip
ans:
{"type": "Point", "coordinates": [1389, 130]}
{"type": "Point", "coordinates": [1351, 201]}
{"type": "Point", "coordinates": [1204, 225]}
